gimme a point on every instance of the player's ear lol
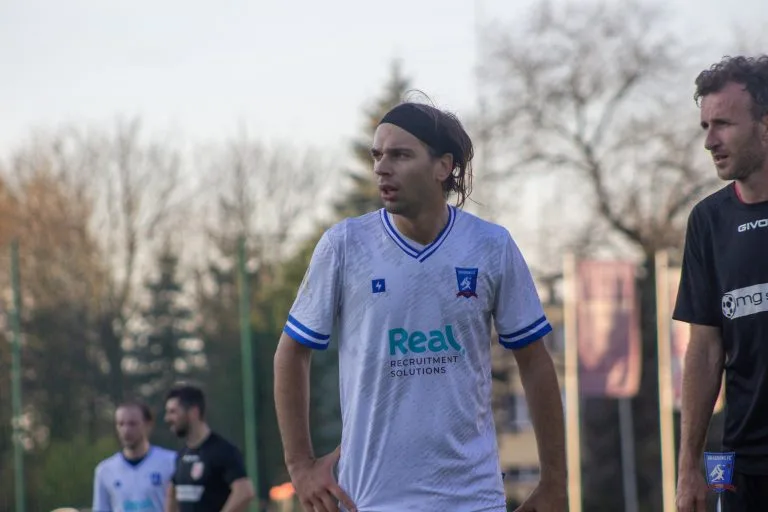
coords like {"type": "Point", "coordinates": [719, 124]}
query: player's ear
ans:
{"type": "Point", "coordinates": [444, 167]}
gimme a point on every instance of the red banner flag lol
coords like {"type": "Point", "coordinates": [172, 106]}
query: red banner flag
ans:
{"type": "Point", "coordinates": [608, 337]}
{"type": "Point", "coordinates": [679, 338]}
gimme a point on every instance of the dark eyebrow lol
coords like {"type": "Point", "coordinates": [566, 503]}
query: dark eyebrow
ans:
{"type": "Point", "coordinates": [396, 149]}
{"type": "Point", "coordinates": [715, 121]}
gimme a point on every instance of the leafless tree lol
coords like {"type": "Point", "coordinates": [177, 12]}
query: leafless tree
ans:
{"type": "Point", "coordinates": [270, 195]}
{"type": "Point", "coordinates": [594, 93]}
{"type": "Point", "coordinates": [62, 276]}
{"type": "Point", "coordinates": [595, 102]}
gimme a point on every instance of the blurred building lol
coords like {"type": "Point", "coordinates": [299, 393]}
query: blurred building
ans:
{"type": "Point", "coordinates": [516, 439]}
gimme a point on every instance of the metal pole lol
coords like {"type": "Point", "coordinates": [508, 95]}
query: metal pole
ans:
{"type": "Point", "coordinates": [249, 395]}
{"type": "Point", "coordinates": [666, 406]}
{"type": "Point", "coordinates": [18, 448]}
{"type": "Point", "coordinates": [628, 454]}
{"type": "Point", "coordinates": [573, 435]}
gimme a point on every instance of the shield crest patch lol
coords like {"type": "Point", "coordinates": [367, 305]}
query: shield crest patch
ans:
{"type": "Point", "coordinates": [196, 472]}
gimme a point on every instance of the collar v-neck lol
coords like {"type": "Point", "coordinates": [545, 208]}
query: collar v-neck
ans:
{"type": "Point", "coordinates": [408, 247]}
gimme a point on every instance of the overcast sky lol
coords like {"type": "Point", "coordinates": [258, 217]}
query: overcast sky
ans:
{"type": "Point", "coordinates": [295, 72]}
{"type": "Point", "coordinates": [198, 69]}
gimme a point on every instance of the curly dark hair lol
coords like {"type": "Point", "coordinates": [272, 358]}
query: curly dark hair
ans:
{"type": "Point", "coordinates": [751, 72]}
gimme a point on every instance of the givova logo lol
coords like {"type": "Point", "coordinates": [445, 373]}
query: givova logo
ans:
{"type": "Point", "coordinates": [755, 224]}
{"type": "Point", "coordinates": [402, 342]}
{"type": "Point", "coordinates": [745, 301]}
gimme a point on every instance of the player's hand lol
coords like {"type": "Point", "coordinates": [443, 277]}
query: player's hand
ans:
{"type": "Point", "coordinates": [546, 497]}
{"type": "Point", "coordinates": [691, 492]}
{"type": "Point", "coordinates": [316, 486]}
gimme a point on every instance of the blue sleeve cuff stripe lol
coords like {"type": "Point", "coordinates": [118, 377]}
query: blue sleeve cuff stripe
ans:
{"type": "Point", "coordinates": [303, 339]}
{"type": "Point", "coordinates": [527, 340]}
{"type": "Point", "coordinates": [524, 330]}
{"type": "Point", "coordinates": [306, 330]}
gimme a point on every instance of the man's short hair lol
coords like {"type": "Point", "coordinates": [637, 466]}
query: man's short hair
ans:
{"type": "Point", "coordinates": [751, 72]}
{"type": "Point", "coordinates": [188, 396]}
{"type": "Point", "coordinates": [146, 411]}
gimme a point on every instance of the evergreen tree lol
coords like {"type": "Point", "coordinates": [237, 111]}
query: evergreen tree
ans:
{"type": "Point", "coordinates": [364, 195]}
{"type": "Point", "coordinates": [165, 351]}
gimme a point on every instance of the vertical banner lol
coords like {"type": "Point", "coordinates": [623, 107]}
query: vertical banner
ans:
{"type": "Point", "coordinates": [608, 334]}
{"type": "Point", "coordinates": [679, 338]}
{"type": "Point", "coordinates": [679, 335]}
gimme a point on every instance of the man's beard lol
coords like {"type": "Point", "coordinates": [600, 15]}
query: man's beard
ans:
{"type": "Point", "coordinates": [751, 160]}
{"type": "Point", "coordinates": [182, 431]}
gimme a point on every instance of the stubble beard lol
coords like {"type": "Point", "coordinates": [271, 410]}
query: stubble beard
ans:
{"type": "Point", "coordinates": [752, 159]}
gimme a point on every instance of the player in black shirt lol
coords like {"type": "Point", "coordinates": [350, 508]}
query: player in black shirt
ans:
{"type": "Point", "coordinates": [723, 291]}
{"type": "Point", "coordinates": [210, 475]}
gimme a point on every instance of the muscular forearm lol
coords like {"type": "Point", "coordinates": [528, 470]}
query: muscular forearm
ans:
{"type": "Point", "coordinates": [701, 384]}
{"type": "Point", "coordinates": [238, 501]}
{"type": "Point", "coordinates": [292, 401]}
{"type": "Point", "coordinates": [542, 393]}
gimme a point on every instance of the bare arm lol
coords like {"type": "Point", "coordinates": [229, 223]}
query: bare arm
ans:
{"type": "Point", "coordinates": [702, 377]}
{"type": "Point", "coordinates": [170, 499]}
{"type": "Point", "coordinates": [242, 494]}
{"type": "Point", "coordinates": [292, 364]}
{"type": "Point", "coordinates": [542, 392]}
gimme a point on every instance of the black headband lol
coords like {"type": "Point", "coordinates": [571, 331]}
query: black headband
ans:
{"type": "Point", "coordinates": [419, 124]}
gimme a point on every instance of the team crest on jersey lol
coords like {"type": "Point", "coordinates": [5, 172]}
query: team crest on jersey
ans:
{"type": "Point", "coordinates": [197, 470]}
{"type": "Point", "coordinates": [155, 478]}
{"type": "Point", "coordinates": [466, 279]}
{"type": "Point", "coordinates": [719, 467]}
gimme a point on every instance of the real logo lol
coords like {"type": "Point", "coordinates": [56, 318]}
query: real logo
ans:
{"type": "Point", "coordinates": [417, 342]}
{"type": "Point", "coordinates": [136, 506]}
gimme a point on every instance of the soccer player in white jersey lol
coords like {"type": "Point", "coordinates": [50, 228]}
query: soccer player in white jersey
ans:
{"type": "Point", "coordinates": [137, 477]}
{"type": "Point", "coordinates": [411, 293]}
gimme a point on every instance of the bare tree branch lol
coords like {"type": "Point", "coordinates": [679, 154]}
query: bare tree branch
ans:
{"type": "Point", "coordinates": [583, 88]}
{"type": "Point", "coordinates": [266, 194]}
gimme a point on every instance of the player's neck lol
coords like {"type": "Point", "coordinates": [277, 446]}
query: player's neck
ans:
{"type": "Point", "coordinates": [425, 226]}
{"type": "Point", "coordinates": [136, 453]}
{"type": "Point", "coordinates": [754, 189]}
{"type": "Point", "coordinates": [198, 434]}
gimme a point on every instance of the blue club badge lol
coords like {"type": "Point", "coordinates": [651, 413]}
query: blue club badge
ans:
{"type": "Point", "coordinates": [466, 279]}
{"type": "Point", "coordinates": [719, 470]}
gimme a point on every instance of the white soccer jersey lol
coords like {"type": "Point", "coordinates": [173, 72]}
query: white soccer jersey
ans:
{"type": "Point", "coordinates": [119, 486]}
{"type": "Point", "coordinates": [413, 325]}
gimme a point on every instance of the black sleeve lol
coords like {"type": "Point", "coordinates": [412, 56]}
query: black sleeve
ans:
{"type": "Point", "coordinates": [232, 464]}
{"type": "Point", "coordinates": [697, 300]}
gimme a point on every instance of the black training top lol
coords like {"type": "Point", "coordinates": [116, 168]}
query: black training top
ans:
{"type": "Point", "coordinates": [724, 283]}
{"type": "Point", "coordinates": [204, 474]}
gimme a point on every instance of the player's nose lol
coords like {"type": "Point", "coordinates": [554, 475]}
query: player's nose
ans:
{"type": "Point", "coordinates": [711, 141]}
{"type": "Point", "coordinates": [382, 167]}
